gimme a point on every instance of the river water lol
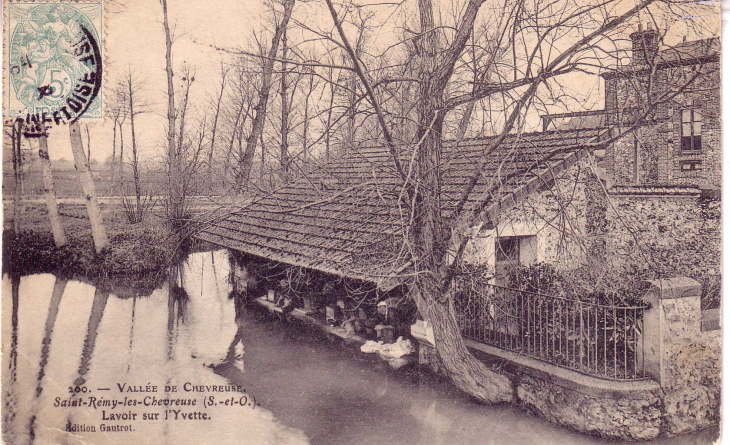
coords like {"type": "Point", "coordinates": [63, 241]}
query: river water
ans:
{"type": "Point", "coordinates": [59, 336]}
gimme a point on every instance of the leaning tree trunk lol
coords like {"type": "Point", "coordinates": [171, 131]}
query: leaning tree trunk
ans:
{"type": "Point", "coordinates": [98, 231]}
{"type": "Point", "coordinates": [429, 234]}
{"type": "Point", "coordinates": [49, 191]}
{"type": "Point", "coordinates": [465, 371]}
{"type": "Point", "coordinates": [429, 241]}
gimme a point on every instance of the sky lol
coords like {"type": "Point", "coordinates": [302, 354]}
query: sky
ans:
{"type": "Point", "coordinates": [134, 39]}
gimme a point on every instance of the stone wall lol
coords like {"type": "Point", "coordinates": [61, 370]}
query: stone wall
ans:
{"type": "Point", "coordinates": [616, 410]}
{"type": "Point", "coordinates": [663, 236]}
{"type": "Point", "coordinates": [629, 415]}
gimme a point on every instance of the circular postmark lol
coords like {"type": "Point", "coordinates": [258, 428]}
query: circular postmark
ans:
{"type": "Point", "coordinates": [55, 65]}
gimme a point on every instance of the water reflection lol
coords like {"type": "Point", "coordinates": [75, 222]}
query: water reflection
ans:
{"type": "Point", "coordinates": [93, 338]}
{"type": "Point", "coordinates": [189, 328]}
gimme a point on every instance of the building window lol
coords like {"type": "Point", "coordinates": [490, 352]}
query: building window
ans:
{"type": "Point", "coordinates": [508, 249]}
{"type": "Point", "coordinates": [690, 166]}
{"type": "Point", "coordinates": [691, 130]}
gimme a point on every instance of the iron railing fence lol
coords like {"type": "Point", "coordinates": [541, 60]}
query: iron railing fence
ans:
{"type": "Point", "coordinates": [600, 340]}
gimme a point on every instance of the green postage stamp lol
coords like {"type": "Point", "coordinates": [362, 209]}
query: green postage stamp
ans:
{"type": "Point", "coordinates": [53, 61]}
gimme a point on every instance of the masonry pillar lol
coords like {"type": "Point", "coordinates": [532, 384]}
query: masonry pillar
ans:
{"type": "Point", "coordinates": [682, 358]}
{"type": "Point", "coordinates": [674, 314]}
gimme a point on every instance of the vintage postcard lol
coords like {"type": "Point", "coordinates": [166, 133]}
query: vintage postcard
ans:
{"type": "Point", "coordinates": [361, 222]}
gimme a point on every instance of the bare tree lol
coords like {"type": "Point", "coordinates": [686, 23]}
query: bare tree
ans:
{"type": "Point", "coordinates": [49, 190]}
{"type": "Point", "coordinates": [284, 133]}
{"type": "Point", "coordinates": [13, 135]}
{"type": "Point", "coordinates": [257, 126]}
{"type": "Point", "coordinates": [117, 110]}
{"type": "Point", "coordinates": [98, 231]}
{"type": "Point", "coordinates": [133, 87]}
{"type": "Point", "coordinates": [224, 73]}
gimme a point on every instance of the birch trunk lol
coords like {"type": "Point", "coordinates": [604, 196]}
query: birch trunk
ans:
{"type": "Point", "coordinates": [121, 158]}
{"type": "Point", "coordinates": [49, 191]}
{"type": "Point", "coordinates": [98, 231]}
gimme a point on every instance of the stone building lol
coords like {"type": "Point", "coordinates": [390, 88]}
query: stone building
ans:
{"type": "Point", "coordinates": [680, 145]}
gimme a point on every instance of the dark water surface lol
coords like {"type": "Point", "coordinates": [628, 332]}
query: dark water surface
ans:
{"type": "Point", "coordinates": [59, 334]}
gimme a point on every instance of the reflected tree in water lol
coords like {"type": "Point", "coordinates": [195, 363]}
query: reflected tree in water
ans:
{"type": "Point", "coordinates": [10, 401]}
{"type": "Point", "coordinates": [177, 302]}
{"type": "Point", "coordinates": [59, 287]}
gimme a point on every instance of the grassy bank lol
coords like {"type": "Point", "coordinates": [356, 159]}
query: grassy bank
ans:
{"type": "Point", "coordinates": [138, 252]}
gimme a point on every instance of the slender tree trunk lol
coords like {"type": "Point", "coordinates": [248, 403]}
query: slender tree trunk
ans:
{"type": "Point", "coordinates": [135, 155]}
{"type": "Point", "coordinates": [263, 161]}
{"type": "Point", "coordinates": [49, 191]}
{"type": "Point", "coordinates": [172, 156]}
{"type": "Point", "coordinates": [257, 127]}
{"type": "Point", "coordinates": [284, 153]}
{"type": "Point", "coordinates": [305, 124]}
{"type": "Point", "coordinates": [98, 231]}
{"type": "Point", "coordinates": [328, 134]}
{"type": "Point", "coordinates": [114, 154]}
{"type": "Point", "coordinates": [215, 128]}
{"type": "Point", "coordinates": [88, 143]}
{"type": "Point", "coordinates": [121, 156]}
{"type": "Point", "coordinates": [180, 182]}
{"type": "Point", "coordinates": [15, 141]}
{"type": "Point", "coordinates": [236, 128]}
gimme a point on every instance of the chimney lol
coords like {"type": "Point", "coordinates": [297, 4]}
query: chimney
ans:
{"type": "Point", "coordinates": [644, 45]}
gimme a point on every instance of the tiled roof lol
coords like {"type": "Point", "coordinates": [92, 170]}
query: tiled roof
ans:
{"type": "Point", "coordinates": [655, 190]}
{"type": "Point", "coordinates": [343, 218]}
{"type": "Point", "coordinates": [691, 51]}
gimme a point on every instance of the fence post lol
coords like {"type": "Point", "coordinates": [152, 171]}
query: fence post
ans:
{"type": "Point", "coordinates": [674, 315]}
